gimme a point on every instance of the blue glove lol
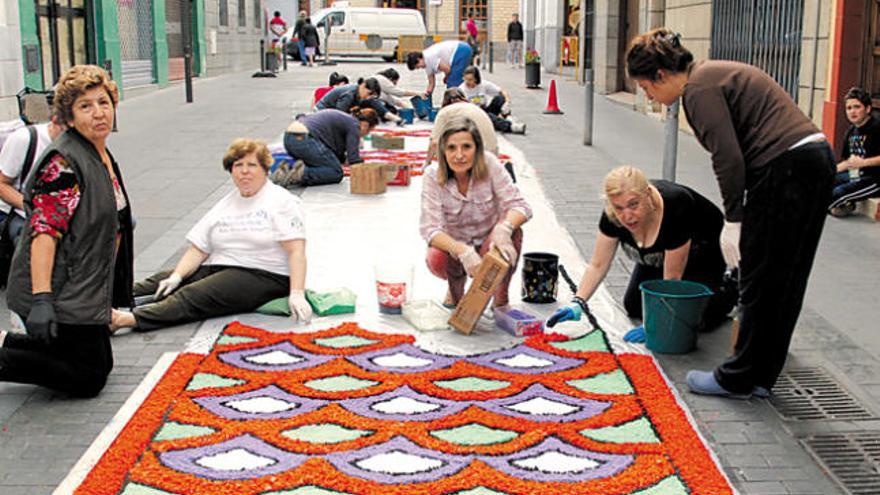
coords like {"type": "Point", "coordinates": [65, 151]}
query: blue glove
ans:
{"type": "Point", "coordinates": [572, 311]}
{"type": "Point", "coordinates": [636, 335]}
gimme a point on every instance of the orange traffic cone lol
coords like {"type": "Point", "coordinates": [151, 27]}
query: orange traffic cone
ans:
{"type": "Point", "coordinates": [552, 107]}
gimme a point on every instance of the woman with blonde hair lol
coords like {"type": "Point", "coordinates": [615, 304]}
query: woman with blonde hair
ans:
{"type": "Point", "coordinates": [469, 204]}
{"type": "Point", "coordinates": [764, 149]}
{"type": "Point", "coordinates": [249, 249]}
{"type": "Point", "coordinates": [74, 261]}
{"type": "Point", "coordinates": [669, 230]}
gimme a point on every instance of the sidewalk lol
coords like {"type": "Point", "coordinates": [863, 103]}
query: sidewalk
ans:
{"type": "Point", "coordinates": [170, 156]}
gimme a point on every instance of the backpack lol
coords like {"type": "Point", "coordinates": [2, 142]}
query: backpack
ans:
{"type": "Point", "coordinates": [7, 244]}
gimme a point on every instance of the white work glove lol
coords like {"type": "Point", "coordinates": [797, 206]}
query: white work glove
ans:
{"type": "Point", "coordinates": [300, 309]}
{"type": "Point", "coordinates": [168, 285]}
{"type": "Point", "coordinates": [471, 260]}
{"type": "Point", "coordinates": [505, 108]}
{"type": "Point", "coordinates": [501, 238]}
{"type": "Point", "coordinates": [730, 242]}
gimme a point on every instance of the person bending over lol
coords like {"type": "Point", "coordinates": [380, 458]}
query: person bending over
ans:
{"type": "Point", "coordinates": [449, 57]}
{"type": "Point", "coordinates": [321, 142]}
{"type": "Point", "coordinates": [335, 80]}
{"type": "Point", "coordinates": [469, 204]}
{"type": "Point", "coordinates": [858, 173]}
{"type": "Point", "coordinates": [393, 95]}
{"type": "Point", "coordinates": [248, 249]}
{"type": "Point", "coordinates": [669, 230]}
{"type": "Point", "coordinates": [364, 94]}
{"type": "Point", "coordinates": [74, 262]}
{"type": "Point", "coordinates": [764, 148]}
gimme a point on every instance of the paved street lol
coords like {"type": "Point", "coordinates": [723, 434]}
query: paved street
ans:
{"type": "Point", "coordinates": [170, 155]}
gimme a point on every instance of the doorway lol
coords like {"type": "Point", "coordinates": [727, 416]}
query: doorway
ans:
{"type": "Point", "coordinates": [63, 30]}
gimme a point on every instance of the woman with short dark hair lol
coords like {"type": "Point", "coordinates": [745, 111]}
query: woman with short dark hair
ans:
{"type": "Point", "coordinates": [74, 261]}
{"type": "Point", "coordinates": [249, 249]}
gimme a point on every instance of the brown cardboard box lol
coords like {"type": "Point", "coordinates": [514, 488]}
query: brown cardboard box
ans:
{"type": "Point", "coordinates": [380, 142]}
{"type": "Point", "coordinates": [368, 178]}
{"type": "Point", "coordinates": [492, 270]}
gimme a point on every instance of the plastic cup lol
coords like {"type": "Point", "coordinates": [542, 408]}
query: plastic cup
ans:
{"type": "Point", "coordinates": [393, 286]}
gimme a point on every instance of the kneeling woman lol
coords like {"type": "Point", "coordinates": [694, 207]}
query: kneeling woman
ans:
{"type": "Point", "coordinates": [469, 204]}
{"type": "Point", "coordinates": [321, 142]}
{"type": "Point", "coordinates": [248, 249]}
{"type": "Point", "coordinates": [74, 260]}
{"type": "Point", "coordinates": [669, 230]}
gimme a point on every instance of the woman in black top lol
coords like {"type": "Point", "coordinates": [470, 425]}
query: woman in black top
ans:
{"type": "Point", "coordinates": [668, 229]}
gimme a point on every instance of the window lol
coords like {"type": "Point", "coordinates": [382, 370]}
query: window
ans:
{"type": "Point", "coordinates": [257, 11]}
{"type": "Point", "coordinates": [242, 13]}
{"type": "Point", "coordinates": [224, 12]}
{"type": "Point", "coordinates": [480, 9]}
{"type": "Point", "coordinates": [871, 60]}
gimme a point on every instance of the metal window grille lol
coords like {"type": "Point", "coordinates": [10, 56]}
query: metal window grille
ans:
{"type": "Point", "coordinates": [242, 13]}
{"type": "Point", "coordinates": [764, 33]}
{"type": "Point", "coordinates": [224, 12]}
{"type": "Point", "coordinates": [136, 41]}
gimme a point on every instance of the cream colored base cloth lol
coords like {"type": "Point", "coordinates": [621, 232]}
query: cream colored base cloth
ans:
{"type": "Point", "coordinates": [348, 235]}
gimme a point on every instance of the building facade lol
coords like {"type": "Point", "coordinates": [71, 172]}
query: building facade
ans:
{"type": "Point", "coordinates": [141, 42]}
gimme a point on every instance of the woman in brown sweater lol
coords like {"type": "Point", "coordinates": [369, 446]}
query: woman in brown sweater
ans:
{"type": "Point", "coordinates": [764, 148]}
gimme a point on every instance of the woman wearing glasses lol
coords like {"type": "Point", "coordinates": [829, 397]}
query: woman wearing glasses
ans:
{"type": "Point", "coordinates": [669, 230]}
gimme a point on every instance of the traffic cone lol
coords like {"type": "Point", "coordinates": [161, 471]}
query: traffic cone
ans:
{"type": "Point", "coordinates": [552, 107]}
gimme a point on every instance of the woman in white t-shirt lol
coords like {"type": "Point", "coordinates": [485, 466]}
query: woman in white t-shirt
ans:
{"type": "Point", "coordinates": [248, 249]}
{"type": "Point", "coordinates": [485, 93]}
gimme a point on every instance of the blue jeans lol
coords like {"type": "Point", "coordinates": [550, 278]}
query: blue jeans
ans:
{"type": "Point", "coordinates": [15, 225]}
{"type": "Point", "coordinates": [460, 61]}
{"type": "Point", "coordinates": [847, 190]}
{"type": "Point", "coordinates": [302, 51]}
{"type": "Point", "coordinates": [322, 165]}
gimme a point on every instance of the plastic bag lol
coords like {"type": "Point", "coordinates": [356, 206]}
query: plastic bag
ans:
{"type": "Point", "coordinates": [335, 302]}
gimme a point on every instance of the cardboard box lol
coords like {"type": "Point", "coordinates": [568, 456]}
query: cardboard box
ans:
{"type": "Point", "coordinates": [381, 142]}
{"type": "Point", "coordinates": [367, 178]}
{"type": "Point", "coordinates": [492, 270]}
{"type": "Point", "coordinates": [397, 174]}
{"type": "Point", "coordinates": [869, 208]}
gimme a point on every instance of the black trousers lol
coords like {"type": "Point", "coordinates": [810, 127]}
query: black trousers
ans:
{"type": "Point", "coordinates": [782, 223]}
{"type": "Point", "coordinates": [77, 362]}
{"type": "Point", "coordinates": [706, 266]}
{"type": "Point", "coordinates": [212, 290]}
{"type": "Point", "coordinates": [493, 110]}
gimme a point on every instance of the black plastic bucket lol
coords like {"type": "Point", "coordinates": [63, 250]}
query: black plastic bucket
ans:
{"type": "Point", "coordinates": [540, 272]}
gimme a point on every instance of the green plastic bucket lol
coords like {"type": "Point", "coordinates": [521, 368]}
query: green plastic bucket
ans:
{"type": "Point", "coordinates": [673, 310]}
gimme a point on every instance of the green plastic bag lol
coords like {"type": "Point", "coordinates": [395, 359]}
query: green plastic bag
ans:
{"type": "Point", "coordinates": [336, 302]}
{"type": "Point", "coordinates": [279, 307]}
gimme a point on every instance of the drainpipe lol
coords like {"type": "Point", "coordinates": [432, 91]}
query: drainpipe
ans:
{"type": "Point", "coordinates": [815, 61]}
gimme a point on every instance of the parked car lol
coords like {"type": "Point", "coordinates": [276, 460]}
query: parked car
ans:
{"type": "Point", "coordinates": [362, 31]}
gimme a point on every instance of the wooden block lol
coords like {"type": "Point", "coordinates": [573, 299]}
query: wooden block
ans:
{"type": "Point", "coordinates": [368, 178]}
{"type": "Point", "coordinates": [869, 208]}
{"type": "Point", "coordinates": [380, 142]}
{"type": "Point", "coordinates": [492, 270]}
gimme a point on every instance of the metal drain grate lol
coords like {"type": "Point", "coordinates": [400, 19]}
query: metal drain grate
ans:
{"type": "Point", "coordinates": [853, 458]}
{"type": "Point", "coordinates": [812, 394]}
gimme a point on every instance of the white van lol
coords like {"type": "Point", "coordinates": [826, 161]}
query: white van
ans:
{"type": "Point", "coordinates": [366, 31]}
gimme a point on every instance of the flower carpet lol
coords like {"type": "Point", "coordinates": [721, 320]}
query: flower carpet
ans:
{"type": "Point", "coordinates": [349, 411]}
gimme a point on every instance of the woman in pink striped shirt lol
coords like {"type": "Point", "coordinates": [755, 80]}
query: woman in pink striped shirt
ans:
{"type": "Point", "coordinates": [469, 204]}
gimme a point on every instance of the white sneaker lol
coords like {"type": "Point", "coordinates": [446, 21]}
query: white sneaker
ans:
{"type": "Point", "coordinates": [518, 128]}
